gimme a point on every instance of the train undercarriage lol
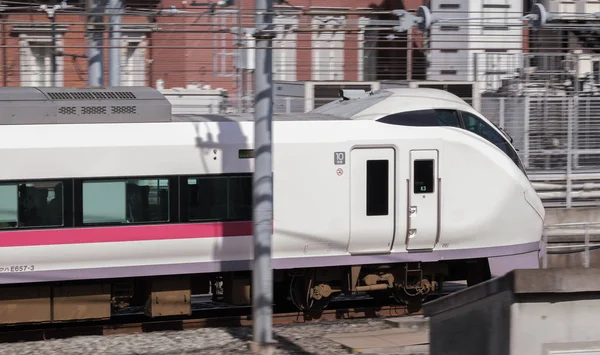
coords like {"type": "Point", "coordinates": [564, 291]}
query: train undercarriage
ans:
{"type": "Point", "coordinates": [309, 290]}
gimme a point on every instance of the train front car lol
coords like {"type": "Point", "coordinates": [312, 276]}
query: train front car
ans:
{"type": "Point", "coordinates": [413, 188]}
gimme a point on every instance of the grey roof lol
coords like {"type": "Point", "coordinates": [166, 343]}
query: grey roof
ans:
{"type": "Point", "coordinates": [56, 105]}
{"type": "Point", "coordinates": [250, 117]}
{"type": "Point", "coordinates": [349, 108]}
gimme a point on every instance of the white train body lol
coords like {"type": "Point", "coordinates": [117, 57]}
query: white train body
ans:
{"type": "Point", "coordinates": [476, 203]}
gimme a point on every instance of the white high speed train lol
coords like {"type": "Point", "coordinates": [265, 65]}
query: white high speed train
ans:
{"type": "Point", "coordinates": [106, 198]}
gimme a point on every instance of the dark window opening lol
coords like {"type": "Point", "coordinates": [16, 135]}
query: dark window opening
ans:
{"type": "Point", "coordinates": [482, 129]}
{"type": "Point", "coordinates": [240, 198]}
{"type": "Point", "coordinates": [35, 204]}
{"type": "Point", "coordinates": [219, 198]}
{"type": "Point", "coordinates": [207, 198]}
{"type": "Point", "coordinates": [448, 72]}
{"type": "Point", "coordinates": [423, 176]}
{"type": "Point", "coordinates": [377, 187]}
{"type": "Point", "coordinates": [422, 118]}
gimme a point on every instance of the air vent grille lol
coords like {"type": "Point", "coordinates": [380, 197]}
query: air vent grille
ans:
{"type": "Point", "coordinates": [65, 110]}
{"type": "Point", "coordinates": [93, 110]}
{"type": "Point", "coordinates": [92, 95]}
{"type": "Point", "coordinates": [121, 110]}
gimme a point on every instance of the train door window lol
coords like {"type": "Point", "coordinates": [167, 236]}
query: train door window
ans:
{"type": "Point", "coordinates": [423, 176]}
{"type": "Point", "coordinates": [125, 201]}
{"type": "Point", "coordinates": [377, 187]}
{"type": "Point", "coordinates": [240, 198]}
{"type": "Point", "coordinates": [479, 127]}
{"type": "Point", "coordinates": [207, 198]}
{"type": "Point", "coordinates": [9, 206]}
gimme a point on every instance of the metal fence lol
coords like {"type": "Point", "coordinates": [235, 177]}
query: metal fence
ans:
{"type": "Point", "coordinates": [558, 139]}
{"type": "Point", "coordinates": [574, 242]}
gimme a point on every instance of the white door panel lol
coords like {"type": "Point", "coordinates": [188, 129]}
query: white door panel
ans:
{"type": "Point", "coordinates": [372, 200]}
{"type": "Point", "coordinates": [423, 200]}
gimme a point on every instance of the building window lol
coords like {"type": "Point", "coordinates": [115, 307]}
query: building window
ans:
{"type": "Point", "coordinates": [35, 55]}
{"type": "Point", "coordinates": [377, 187]}
{"type": "Point", "coordinates": [125, 201]}
{"type": "Point", "coordinates": [448, 72]}
{"type": "Point", "coordinates": [284, 45]}
{"type": "Point", "coordinates": [133, 59]}
{"type": "Point", "coordinates": [37, 204]}
{"type": "Point", "coordinates": [328, 48]}
{"type": "Point", "coordinates": [423, 176]}
{"type": "Point", "coordinates": [449, 6]}
{"type": "Point", "coordinates": [449, 28]}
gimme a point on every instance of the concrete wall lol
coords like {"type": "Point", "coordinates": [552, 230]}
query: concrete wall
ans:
{"type": "Point", "coordinates": [524, 312]}
{"type": "Point", "coordinates": [537, 327]}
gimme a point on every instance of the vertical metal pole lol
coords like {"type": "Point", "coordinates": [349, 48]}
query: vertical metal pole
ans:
{"type": "Point", "coordinates": [242, 46]}
{"type": "Point", "coordinates": [409, 54]}
{"type": "Point", "coordinates": [587, 246]}
{"type": "Point", "coordinates": [53, 56]}
{"type": "Point", "coordinates": [526, 151]}
{"type": "Point", "coordinates": [95, 52]}
{"type": "Point", "coordinates": [4, 54]}
{"type": "Point", "coordinates": [114, 53]}
{"type": "Point", "coordinates": [262, 275]}
{"type": "Point", "coordinates": [502, 108]}
{"type": "Point", "coordinates": [570, 150]}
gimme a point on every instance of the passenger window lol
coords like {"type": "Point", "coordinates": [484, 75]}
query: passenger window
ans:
{"type": "Point", "coordinates": [9, 205]}
{"type": "Point", "coordinates": [423, 176]}
{"type": "Point", "coordinates": [125, 201]}
{"type": "Point", "coordinates": [37, 204]}
{"type": "Point", "coordinates": [207, 198]}
{"type": "Point", "coordinates": [240, 197]}
{"type": "Point", "coordinates": [479, 127]}
{"type": "Point", "coordinates": [423, 118]}
{"type": "Point", "coordinates": [220, 198]}
{"type": "Point", "coordinates": [377, 187]}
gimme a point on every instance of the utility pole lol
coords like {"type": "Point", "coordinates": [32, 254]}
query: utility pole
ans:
{"type": "Point", "coordinates": [95, 52]}
{"type": "Point", "coordinates": [52, 14]}
{"type": "Point", "coordinates": [114, 53]}
{"type": "Point", "coordinates": [262, 272]}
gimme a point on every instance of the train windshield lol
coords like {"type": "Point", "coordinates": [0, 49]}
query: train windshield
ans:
{"type": "Point", "coordinates": [427, 118]}
{"type": "Point", "coordinates": [453, 118]}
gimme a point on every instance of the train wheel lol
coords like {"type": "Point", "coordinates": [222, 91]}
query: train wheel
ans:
{"type": "Point", "coordinates": [301, 294]}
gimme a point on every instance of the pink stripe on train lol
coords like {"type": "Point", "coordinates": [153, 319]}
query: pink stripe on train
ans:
{"type": "Point", "coordinates": [129, 233]}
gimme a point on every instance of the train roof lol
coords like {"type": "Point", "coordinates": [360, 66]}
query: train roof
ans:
{"type": "Point", "coordinates": [56, 105]}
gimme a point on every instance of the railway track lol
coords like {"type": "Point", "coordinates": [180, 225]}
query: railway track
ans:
{"type": "Point", "coordinates": [207, 313]}
{"type": "Point", "coordinates": [216, 317]}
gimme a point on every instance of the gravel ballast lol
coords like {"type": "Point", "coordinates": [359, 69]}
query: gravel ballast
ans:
{"type": "Point", "coordinates": [304, 338]}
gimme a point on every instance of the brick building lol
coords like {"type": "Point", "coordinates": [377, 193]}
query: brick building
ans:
{"type": "Point", "coordinates": [198, 47]}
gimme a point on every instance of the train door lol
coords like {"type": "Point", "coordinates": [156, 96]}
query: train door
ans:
{"type": "Point", "coordinates": [423, 200]}
{"type": "Point", "coordinates": [372, 200]}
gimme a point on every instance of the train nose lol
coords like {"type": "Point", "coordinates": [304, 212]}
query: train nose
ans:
{"type": "Point", "coordinates": [535, 202]}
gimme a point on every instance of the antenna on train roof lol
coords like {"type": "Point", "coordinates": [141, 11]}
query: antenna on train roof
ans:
{"type": "Point", "coordinates": [348, 94]}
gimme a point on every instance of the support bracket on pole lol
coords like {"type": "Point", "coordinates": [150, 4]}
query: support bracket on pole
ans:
{"type": "Point", "coordinates": [423, 19]}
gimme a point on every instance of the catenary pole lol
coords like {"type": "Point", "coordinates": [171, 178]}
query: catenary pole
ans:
{"type": "Point", "coordinates": [262, 275]}
{"type": "Point", "coordinates": [95, 52]}
{"type": "Point", "coordinates": [114, 52]}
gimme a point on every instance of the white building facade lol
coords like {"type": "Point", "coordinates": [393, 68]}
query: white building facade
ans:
{"type": "Point", "coordinates": [485, 48]}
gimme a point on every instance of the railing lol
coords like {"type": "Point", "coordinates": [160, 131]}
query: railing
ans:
{"type": "Point", "coordinates": [570, 238]}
